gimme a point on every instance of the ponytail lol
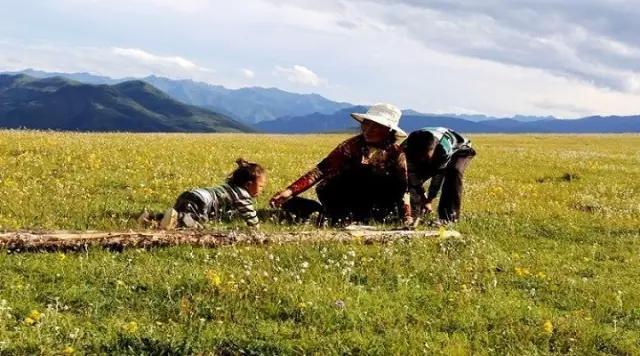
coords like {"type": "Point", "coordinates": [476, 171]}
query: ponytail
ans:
{"type": "Point", "coordinates": [245, 173]}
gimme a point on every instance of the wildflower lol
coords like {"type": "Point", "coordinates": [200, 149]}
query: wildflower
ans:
{"type": "Point", "coordinates": [521, 272]}
{"type": "Point", "coordinates": [214, 278]}
{"type": "Point", "coordinates": [340, 304]}
{"type": "Point", "coordinates": [305, 264]}
{"type": "Point", "coordinates": [547, 327]}
{"type": "Point", "coordinates": [62, 256]}
{"type": "Point", "coordinates": [33, 317]}
{"type": "Point", "coordinates": [302, 305]}
{"type": "Point", "coordinates": [130, 327]}
{"type": "Point", "coordinates": [68, 350]}
{"type": "Point", "coordinates": [350, 263]}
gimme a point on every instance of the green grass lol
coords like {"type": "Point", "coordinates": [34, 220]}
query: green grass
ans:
{"type": "Point", "coordinates": [548, 263]}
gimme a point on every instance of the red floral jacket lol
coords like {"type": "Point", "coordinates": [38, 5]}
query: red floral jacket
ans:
{"type": "Point", "coordinates": [386, 160]}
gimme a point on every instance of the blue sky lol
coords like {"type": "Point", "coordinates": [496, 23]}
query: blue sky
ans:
{"type": "Point", "coordinates": [566, 58]}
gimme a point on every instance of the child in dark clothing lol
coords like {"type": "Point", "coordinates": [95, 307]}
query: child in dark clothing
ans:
{"type": "Point", "coordinates": [232, 198]}
{"type": "Point", "coordinates": [442, 155]}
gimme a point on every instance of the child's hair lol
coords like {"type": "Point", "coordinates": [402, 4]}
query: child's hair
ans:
{"type": "Point", "coordinates": [245, 173]}
{"type": "Point", "coordinates": [420, 142]}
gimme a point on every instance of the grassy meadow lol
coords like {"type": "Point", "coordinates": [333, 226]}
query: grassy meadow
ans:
{"type": "Point", "coordinates": [548, 263]}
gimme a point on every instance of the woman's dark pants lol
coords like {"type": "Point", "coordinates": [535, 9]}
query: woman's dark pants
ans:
{"type": "Point", "coordinates": [360, 196]}
{"type": "Point", "coordinates": [452, 187]}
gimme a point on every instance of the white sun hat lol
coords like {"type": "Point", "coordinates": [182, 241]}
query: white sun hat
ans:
{"type": "Point", "coordinates": [384, 114]}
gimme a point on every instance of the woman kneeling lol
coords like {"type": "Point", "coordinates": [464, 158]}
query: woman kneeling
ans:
{"type": "Point", "coordinates": [364, 178]}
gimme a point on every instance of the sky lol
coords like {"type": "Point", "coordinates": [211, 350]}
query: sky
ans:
{"type": "Point", "coordinates": [567, 58]}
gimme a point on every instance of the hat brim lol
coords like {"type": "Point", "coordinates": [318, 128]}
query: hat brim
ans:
{"type": "Point", "coordinates": [377, 119]}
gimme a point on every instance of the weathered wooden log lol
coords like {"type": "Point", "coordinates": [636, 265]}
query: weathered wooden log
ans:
{"type": "Point", "coordinates": [78, 241]}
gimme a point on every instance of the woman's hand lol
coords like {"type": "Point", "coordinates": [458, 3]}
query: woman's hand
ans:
{"type": "Point", "coordinates": [409, 223]}
{"type": "Point", "coordinates": [427, 208]}
{"type": "Point", "coordinates": [281, 197]}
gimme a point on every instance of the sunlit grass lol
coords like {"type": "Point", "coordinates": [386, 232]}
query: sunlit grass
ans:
{"type": "Point", "coordinates": [549, 260]}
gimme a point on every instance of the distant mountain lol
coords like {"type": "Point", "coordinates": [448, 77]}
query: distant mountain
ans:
{"type": "Point", "coordinates": [480, 117]}
{"type": "Point", "coordinates": [61, 104]}
{"type": "Point", "coordinates": [86, 78]}
{"type": "Point", "coordinates": [249, 105]}
{"type": "Point", "coordinates": [274, 110]}
{"type": "Point", "coordinates": [593, 124]}
{"type": "Point", "coordinates": [411, 120]}
{"type": "Point", "coordinates": [341, 121]}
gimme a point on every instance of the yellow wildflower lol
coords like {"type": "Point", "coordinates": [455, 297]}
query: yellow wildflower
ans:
{"type": "Point", "coordinates": [35, 315]}
{"type": "Point", "coordinates": [214, 278]}
{"type": "Point", "coordinates": [68, 350]}
{"type": "Point", "coordinates": [29, 321]}
{"type": "Point", "coordinates": [521, 272]}
{"type": "Point", "coordinates": [130, 327]}
{"type": "Point", "coordinates": [547, 327]}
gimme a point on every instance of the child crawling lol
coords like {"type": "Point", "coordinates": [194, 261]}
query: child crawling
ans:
{"type": "Point", "coordinates": [233, 198]}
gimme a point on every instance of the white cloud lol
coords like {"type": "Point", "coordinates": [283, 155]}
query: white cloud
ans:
{"type": "Point", "coordinates": [634, 83]}
{"type": "Point", "coordinates": [142, 56]}
{"type": "Point", "coordinates": [115, 62]}
{"type": "Point", "coordinates": [300, 75]}
{"type": "Point", "coordinates": [248, 73]}
{"type": "Point", "coordinates": [496, 57]}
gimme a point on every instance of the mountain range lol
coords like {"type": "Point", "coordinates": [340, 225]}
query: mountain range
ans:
{"type": "Point", "coordinates": [249, 105]}
{"type": "Point", "coordinates": [340, 121]}
{"type": "Point", "coordinates": [84, 101]}
{"type": "Point", "coordinates": [134, 106]}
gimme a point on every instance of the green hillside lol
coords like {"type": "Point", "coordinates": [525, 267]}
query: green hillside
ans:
{"type": "Point", "coordinates": [134, 106]}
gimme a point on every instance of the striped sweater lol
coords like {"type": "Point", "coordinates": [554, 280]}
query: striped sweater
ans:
{"type": "Point", "coordinates": [227, 201]}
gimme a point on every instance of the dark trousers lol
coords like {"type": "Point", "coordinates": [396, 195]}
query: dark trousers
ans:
{"type": "Point", "coordinates": [360, 196]}
{"type": "Point", "coordinates": [190, 203]}
{"type": "Point", "coordinates": [452, 188]}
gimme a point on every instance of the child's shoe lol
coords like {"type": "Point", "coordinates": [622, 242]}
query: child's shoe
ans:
{"type": "Point", "coordinates": [169, 220]}
{"type": "Point", "coordinates": [144, 220]}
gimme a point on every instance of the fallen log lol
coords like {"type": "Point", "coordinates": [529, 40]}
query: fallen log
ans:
{"type": "Point", "coordinates": [20, 241]}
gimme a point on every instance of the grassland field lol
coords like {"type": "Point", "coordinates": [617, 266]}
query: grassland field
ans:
{"type": "Point", "coordinates": [549, 261]}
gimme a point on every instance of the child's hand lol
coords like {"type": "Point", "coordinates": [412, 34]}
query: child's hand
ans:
{"type": "Point", "coordinates": [281, 197]}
